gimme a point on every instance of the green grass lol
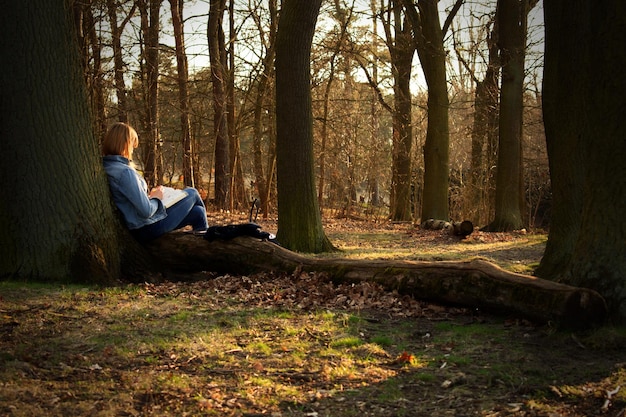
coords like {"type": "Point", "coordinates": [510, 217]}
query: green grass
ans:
{"type": "Point", "coordinates": [158, 350]}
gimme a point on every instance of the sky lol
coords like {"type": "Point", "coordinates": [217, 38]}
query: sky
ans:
{"type": "Point", "coordinates": [196, 16]}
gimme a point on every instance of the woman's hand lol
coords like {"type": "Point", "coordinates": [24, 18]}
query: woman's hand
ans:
{"type": "Point", "coordinates": [157, 192]}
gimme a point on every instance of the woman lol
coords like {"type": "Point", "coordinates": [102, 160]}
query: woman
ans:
{"type": "Point", "coordinates": [144, 213]}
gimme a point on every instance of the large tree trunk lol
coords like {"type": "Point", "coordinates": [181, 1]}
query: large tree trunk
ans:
{"type": "Point", "coordinates": [473, 284]}
{"type": "Point", "coordinates": [584, 108]}
{"type": "Point", "coordinates": [299, 220]}
{"type": "Point", "coordinates": [56, 218]}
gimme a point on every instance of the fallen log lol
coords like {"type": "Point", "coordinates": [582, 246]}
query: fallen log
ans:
{"type": "Point", "coordinates": [475, 283]}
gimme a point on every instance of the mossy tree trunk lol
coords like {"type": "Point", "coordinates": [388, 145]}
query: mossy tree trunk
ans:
{"type": "Point", "coordinates": [477, 283]}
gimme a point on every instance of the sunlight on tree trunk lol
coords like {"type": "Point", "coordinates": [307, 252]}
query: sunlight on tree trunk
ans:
{"type": "Point", "coordinates": [299, 220]}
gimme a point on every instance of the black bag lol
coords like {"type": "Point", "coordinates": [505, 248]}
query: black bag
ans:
{"type": "Point", "coordinates": [235, 230]}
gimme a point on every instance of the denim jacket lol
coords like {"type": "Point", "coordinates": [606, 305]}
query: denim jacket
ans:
{"type": "Point", "coordinates": [130, 193]}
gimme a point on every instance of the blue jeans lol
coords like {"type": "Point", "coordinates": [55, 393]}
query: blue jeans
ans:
{"type": "Point", "coordinates": [189, 211]}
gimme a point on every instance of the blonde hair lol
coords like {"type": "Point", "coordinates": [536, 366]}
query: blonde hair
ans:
{"type": "Point", "coordinates": [120, 140]}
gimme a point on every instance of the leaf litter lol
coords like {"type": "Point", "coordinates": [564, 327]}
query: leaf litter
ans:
{"type": "Point", "coordinates": [275, 344]}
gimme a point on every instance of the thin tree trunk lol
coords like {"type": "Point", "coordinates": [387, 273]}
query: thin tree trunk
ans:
{"type": "Point", "coordinates": [238, 189]}
{"type": "Point", "coordinates": [153, 159]}
{"type": "Point", "coordinates": [484, 136]}
{"type": "Point", "coordinates": [118, 61]}
{"type": "Point", "coordinates": [176, 7]}
{"type": "Point", "coordinates": [260, 108]}
{"type": "Point", "coordinates": [401, 49]}
{"type": "Point", "coordinates": [217, 57]}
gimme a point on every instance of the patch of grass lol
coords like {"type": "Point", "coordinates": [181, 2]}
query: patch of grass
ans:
{"type": "Point", "coordinates": [346, 342]}
{"type": "Point", "coordinates": [384, 341]}
{"type": "Point", "coordinates": [259, 347]}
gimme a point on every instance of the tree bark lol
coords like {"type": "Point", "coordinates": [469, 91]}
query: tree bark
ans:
{"type": "Point", "coordinates": [511, 16]}
{"type": "Point", "coordinates": [299, 220]}
{"type": "Point", "coordinates": [428, 35]}
{"type": "Point", "coordinates": [217, 52]}
{"type": "Point", "coordinates": [152, 156]}
{"type": "Point", "coordinates": [56, 222]}
{"type": "Point", "coordinates": [401, 50]}
{"type": "Point", "coordinates": [118, 60]}
{"type": "Point", "coordinates": [474, 283]}
{"type": "Point", "coordinates": [584, 107]}
{"type": "Point", "coordinates": [260, 107]}
{"type": "Point", "coordinates": [176, 7]}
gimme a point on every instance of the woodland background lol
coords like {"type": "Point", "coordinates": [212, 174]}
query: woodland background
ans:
{"type": "Point", "coordinates": [195, 78]}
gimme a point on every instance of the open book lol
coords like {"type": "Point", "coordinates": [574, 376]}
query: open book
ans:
{"type": "Point", "coordinates": [172, 196]}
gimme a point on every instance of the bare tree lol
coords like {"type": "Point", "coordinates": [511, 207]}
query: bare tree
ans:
{"type": "Point", "coordinates": [217, 53]}
{"type": "Point", "coordinates": [176, 7]}
{"type": "Point", "coordinates": [428, 36]}
{"type": "Point", "coordinates": [479, 191]}
{"type": "Point", "coordinates": [263, 181]}
{"type": "Point", "coordinates": [401, 48]}
{"type": "Point", "coordinates": [150, 27]}
{"type": "Point", "coordinates": [118, 60]}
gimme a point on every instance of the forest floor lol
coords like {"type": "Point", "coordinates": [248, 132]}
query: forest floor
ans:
{"type": "Point", "coordinates": [298, 346]}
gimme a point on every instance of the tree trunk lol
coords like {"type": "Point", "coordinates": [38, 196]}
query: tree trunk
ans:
{"type": "Point", "coordinates": [118, 60]}
{"type": "Point", "coordinates": [239, 197]}
{"type": "Point", "coordinates": [475, 283]}
{"type": "Point", "coordinates": [260, 108]}
{"type": "Point", "coordinates": [401, 51]}
{"type": "Point", "coordinates": [152, 156]}
{"type": "Point", "coordinates": [217, 57]}
{"type": "Point", "coordinates": [428, 35]}
{"type": "Point", "coordinates": [176, 7]}
{"type": "Point", "coordinates": [299, 221]}
{"type": "Point", "coordinates": [91, 59]}
{"type": "Point", "coordinates": [584, 107]}
{"type": "Point", "coordinates": [56, 220]}
{"type": "Point", "coordinates": [478, 199]}
{"type": "Point", "coordinates": [509, 203]}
